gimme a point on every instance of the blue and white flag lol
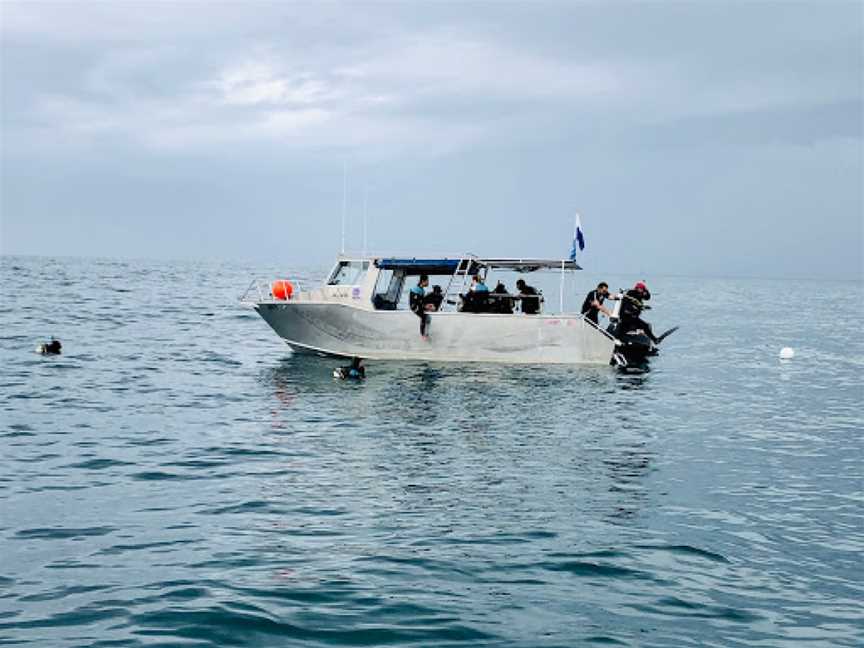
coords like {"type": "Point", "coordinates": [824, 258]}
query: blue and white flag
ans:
{"type": "Point", "coordinates": [578, 238]}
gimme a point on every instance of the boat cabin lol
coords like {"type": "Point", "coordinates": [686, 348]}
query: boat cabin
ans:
{"type": "Point", "coordinates": [382, 283]}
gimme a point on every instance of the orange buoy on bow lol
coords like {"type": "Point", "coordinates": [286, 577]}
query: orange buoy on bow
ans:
{"type": "Point", "coordinates": [282, 289]}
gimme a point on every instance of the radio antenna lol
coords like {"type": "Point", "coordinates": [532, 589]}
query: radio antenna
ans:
{"type": "Point", "coordinates": [365, 203]}
{"type": "Point", "coordinates": [344, 199]}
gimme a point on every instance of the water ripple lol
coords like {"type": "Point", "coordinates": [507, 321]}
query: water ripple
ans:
{"type": "Point", "coordinates": [177, 478]}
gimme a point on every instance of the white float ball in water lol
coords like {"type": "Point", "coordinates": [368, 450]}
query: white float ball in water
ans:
{"type": "Point", "coordinates": [787, 353]}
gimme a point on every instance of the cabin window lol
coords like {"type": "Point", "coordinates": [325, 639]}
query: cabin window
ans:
{"type": "Point", "coordinates": [387, 289]}
{"type": "Point", "coordinates": [349, 273]}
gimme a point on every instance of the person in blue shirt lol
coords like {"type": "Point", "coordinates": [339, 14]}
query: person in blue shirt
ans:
{"type": "Point", "coordinates": [477, 298]}
{"type": "Point", "coordinates": [416, 303]}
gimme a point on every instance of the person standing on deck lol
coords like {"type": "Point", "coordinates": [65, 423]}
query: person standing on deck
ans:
{"type": "Point", "coordinates": [593, 304]}
{"type": "Point", "coordinates": [416, 303]}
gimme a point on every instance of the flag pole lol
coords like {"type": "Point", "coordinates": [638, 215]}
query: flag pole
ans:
{"type": "Point", "coordinates": [572, 255]}
{"type": "Point", "coordinates": [561, 296]}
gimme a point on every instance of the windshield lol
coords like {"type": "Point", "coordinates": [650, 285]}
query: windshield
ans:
{"type": "Point", "coordinates": [349, 273]}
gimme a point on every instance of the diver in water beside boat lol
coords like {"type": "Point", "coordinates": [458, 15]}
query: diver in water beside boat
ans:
{"type": "Point", "coordinates": [354, 371]}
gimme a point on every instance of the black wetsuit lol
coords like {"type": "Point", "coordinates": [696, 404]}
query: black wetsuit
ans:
{"type": "Point", "coordinates": [435, 299]}
{"type": "Point", "coordinates": [590, 311]}
{"type": "Point", "coordinates": [474, 301]}
{"type": "Point", "coordinates": [353, 372]}
{"type": "Point", "coordinates": [530, 305]}
{"type": "Point", "coordinates": [631, 311]}
{"type": "Point", "coordinates": [502, 304]}
{"type": "Point", "coordinates": [416, 302]}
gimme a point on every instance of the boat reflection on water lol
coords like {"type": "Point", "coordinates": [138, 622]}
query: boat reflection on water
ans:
{"type": "Point", "coordinates": [627, 468]}
{"type": "Point", "coordinates": [468, 433]}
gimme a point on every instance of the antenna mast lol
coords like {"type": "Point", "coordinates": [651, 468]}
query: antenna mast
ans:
{"type": "Point", "coordinates": [365, 202]}
{"type": "Point", "coordinates": [344, 200]}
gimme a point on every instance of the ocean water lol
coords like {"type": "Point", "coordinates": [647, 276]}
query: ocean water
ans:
{"type": "Point", "coordinates": [177, 478]}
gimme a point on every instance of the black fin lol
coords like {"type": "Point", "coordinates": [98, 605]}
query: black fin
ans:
{"type": "Point", "coordinates": [667, 333]}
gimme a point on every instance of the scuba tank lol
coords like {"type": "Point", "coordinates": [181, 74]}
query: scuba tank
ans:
{"type": "Point", "coordinates": [633, 346]}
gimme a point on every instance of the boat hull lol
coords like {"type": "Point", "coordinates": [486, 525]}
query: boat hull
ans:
{"type": "Point", "coordinates": [345, 330]}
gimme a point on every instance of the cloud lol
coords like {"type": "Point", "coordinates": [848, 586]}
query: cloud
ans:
{"type": "Point", "coordinates": [659, 119]}
{"type": "Point", "coordinates": [161, 77]}
{"type": "Point", "coordinates": [131, 22]}
{"type": "Point", "coordinates": [451, 63]}
{"type": "Point", "coordinates": [257, 82]}
{"type": "Point", "coordinates": [375, 100]}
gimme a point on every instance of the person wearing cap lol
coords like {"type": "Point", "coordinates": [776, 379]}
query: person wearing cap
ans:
{"type": "Point", "coordinates": [632, 307]}
{"type": "Point", "coordinates": [593, 304]}
{"type": "Point", "coordinates": [643, 289]}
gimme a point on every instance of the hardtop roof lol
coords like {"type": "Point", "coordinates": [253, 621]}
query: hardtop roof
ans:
{"type": "Point", "coordinates": [530, 265]}
{"type": "Point", "coordinates": [445, 265]}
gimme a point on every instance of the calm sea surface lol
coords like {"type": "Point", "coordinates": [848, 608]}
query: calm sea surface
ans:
{"type": "Point", "coordinates": [177, 478]}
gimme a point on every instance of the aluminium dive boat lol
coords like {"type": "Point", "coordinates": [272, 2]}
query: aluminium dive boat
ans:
{"type": "Point", "coordinates": [361, 310]}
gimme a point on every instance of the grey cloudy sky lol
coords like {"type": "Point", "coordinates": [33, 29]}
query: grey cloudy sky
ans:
{"type": "Point", "coordinates": [718, 138]}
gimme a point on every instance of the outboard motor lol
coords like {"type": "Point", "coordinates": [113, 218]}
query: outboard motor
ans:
{"type": "Point", "coordinates": [633, 346]}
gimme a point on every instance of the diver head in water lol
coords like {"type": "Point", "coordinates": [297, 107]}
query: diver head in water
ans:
{"type": "Point", "coordinates": [354, 371]}
{"type": "Point", "coordinates": [50, 348]}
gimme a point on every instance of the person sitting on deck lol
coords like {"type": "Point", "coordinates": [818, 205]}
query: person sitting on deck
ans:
{"type": "Point", "coordinates": [432, 301]}
{"type": "Point", "coordinates": [416, 303]}
{"type": "Point", "coordinates": [529, 296]}
{"type": "Point", "coordinates": [477, 298]}
{"type": "Point", "coordinates": [503, 304]}
{"type": "Point", "coordinates": [478, 285]}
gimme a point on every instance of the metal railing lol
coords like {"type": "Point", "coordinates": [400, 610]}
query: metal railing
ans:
{"type": "Point", "coordinates": [260, 291]}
